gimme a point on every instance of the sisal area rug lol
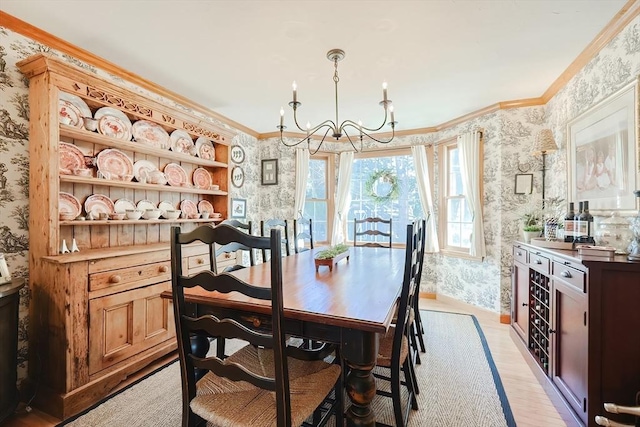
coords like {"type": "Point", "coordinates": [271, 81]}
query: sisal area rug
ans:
{"type": "Point", "coordinates": [458, 380]}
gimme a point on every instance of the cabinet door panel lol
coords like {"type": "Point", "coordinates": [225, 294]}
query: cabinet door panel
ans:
{"type": "Point", "coordinates": [126, 323]}
{"type": "Point", "coordinates": [520, 310]}
{"type": "Point", "coordinates": [570, 345]}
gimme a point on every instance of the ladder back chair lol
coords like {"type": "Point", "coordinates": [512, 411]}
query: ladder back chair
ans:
{"type": "Point", "coordinates": [417, 329]}
{"type": "Point", "coordinates": [258, 385]}
{"type": "Point", "coordinates": [371, 227]}
{"type": "Point", "coordinates": [303, 231]}
{"type": "Point", "coordinates": [394, 351]}
{"type": "Point", "coordinates": [281, 224]}
{"type": "Point", "coordinates": [235, 246]}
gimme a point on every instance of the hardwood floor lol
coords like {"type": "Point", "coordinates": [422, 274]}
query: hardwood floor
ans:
{"type": "Point", "coordinates": [530, 404]}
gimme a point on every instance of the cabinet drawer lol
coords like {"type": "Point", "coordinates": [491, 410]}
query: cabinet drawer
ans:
{"type": "Point", "coordinates": [520, 255]}
{"type": "Point", "coordinates": [200, 262]}
{"type": "Point", "coordinates": [539, 262]}
{"type": "Point", "coordinates": [131, 277]}
{"type": "Point", "coordinates": [569, 275]}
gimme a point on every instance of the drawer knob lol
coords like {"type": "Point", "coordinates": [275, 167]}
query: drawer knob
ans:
{"type": "Point", "coordinates": [256, 322]}
{"type": "Point", "coordinates": [519, 253]}
{"type": "Point", "coordinates": [566, 274]}
{"type": "Point", "coordinates": [200, 261]}
{"type": "Point", "coordinates": [227, 255]}
{"type": "Point", "coordinates": [164, 269]}
{"type": "Point", "coordinates": [552, 331]}
{"type": "Point", "coordinates": [115, 279]}
{"type": "Point", "coordinates": [538, 261]}
{"type": "Point", "coordinates": [524, 304]}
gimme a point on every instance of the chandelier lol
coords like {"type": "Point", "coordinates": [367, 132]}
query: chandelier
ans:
{"type": "Point", "coordinates": [336, 128]}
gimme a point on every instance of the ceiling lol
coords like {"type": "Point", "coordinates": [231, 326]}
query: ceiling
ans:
{"type": "Point", "coordinates": [442, 59]}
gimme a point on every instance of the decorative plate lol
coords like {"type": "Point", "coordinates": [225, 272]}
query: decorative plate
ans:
{"type": "Point", "coordinates": [98, 203]}
{"type": "Point", "coordinates": [68, 111]}
{"type": "Point", "coordinates": [78, 103]}
{"type": "Point", "coordinates": [70, 158]}
{"type": "Point", "coordinates": [150, 133]}
{"type": "Point", "coordinates": [181, 142]}
{"type": "Point", "coordinates": [237, 176]}
{"type": "Point", "coordinates": [114, 127]}
{"type": "Point", "coordinates": [114, 112]}
{"type": "Point", "coordinates": [237, 154]}
{"type": "Point", "coordinates": [205, 206]}
{"type": "Point", "coordinates": [145, 204]}
{"type": "Point", "coordinates": [121, 205]}
{"type": "Point", "coordinates": [68, 203]}
{"type": "Point", "coordinates": [205, 149]}
{"type": "Point", "coordinates": [176, 176]}
{"type": "Point", "coordinates": [114, 164]}
{"type": "Point", "coordinates": [142, 169]}
{"type": "Point", "coordinates": [165, 206]}
{"type": "Point", "coordinates": [188, 207]}
{"type": "Point", "coordinates": [201, 178]}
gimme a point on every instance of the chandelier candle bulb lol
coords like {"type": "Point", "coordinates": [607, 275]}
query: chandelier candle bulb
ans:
{"type": "Point", "coordinates": [308, 128]}
{"type": "Point", "coordinates": [384, 91]}
{"type": "Point", "coordinates": [281, 116]}
{"type": "Point", "coordinates": [295, 92]}
{"type": "Point", "coordinates": [391, 111]}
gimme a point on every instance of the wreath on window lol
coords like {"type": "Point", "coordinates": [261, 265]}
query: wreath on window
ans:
{"type": "Point", "coordinates": [388, 177]}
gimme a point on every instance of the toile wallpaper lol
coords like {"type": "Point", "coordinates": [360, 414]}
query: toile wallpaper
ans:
{"type": "Point", "coordinates": [507, 136]}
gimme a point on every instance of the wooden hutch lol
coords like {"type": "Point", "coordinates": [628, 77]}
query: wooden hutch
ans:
{"type": "Point", "coordinates": [96, 316]}
{"type": "Point", "coordinates": [577, 320]}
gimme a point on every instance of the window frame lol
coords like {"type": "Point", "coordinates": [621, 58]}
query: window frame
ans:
{"type": "Point", "coordinates": [443, 184]}
{"type": "Point", "coordinates": [384, 152]}
{"type": "Point", "coordinates": [330, 183]}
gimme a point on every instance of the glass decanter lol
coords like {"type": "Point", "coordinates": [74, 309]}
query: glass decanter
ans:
{"type": "Point", "coordinates": [634, 247]}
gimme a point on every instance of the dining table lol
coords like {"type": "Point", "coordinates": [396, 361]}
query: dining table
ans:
{"type": "Point", "coordinates": [350, 305]}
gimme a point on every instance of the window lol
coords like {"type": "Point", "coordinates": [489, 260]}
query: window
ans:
{"type": "Point", "coordinates": [319, 198]}
{"type": "Point", "coordinates": [456, 221]}
{"type": "Point", "coordinates": [383, 184]}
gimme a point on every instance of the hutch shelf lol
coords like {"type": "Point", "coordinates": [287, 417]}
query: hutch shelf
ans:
{"type": "Point", "coordinates": [96, 316]}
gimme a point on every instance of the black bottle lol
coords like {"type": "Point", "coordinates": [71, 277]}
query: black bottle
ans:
{"type": "Point", "coordinates": [577, 223]}
{"type": "Point", "coordinates": [586, 225]}
{"type": "Point", "coordinates": [569, 224]}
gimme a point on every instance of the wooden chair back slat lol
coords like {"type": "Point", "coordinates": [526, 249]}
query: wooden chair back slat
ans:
{"type": "Point", "coordinates": [372, 229]}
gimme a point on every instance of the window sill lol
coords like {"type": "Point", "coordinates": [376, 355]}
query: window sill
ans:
{"type": "Point", "coordinates": [459, 254]}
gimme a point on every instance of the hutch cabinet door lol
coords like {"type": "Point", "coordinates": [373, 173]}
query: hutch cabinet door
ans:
{"type": "Point", "coordinates": [520, 301]}
{"type": "Point", "coordinates": [570, 345]}
{"type": "Point", "coordinates": [124, 324]}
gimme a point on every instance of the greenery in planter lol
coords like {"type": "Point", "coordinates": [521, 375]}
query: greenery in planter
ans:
{"type": "Point", "coordinates": [532, 228]}
{"type": "Point", "coordinates": [332, 251]}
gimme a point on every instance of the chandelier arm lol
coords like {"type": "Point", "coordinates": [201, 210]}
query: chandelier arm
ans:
{"type": "Point", "coordinates": [319, 145]}
{"type": "Point", "coordinates": [294, 144]}
{"type": "Point", "coordinates": [313, 130]}
{"type": "Point", "coordinates": [358, 126]}
{"type": "Point", "coordinates": [368, 135]}
{"type": "Point", "coordinates": [351, 142]}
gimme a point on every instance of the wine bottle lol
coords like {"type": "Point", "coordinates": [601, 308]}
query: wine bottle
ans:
{"type": "Point", "coordinates": [586, 224]}
{"type": "Point", "coordinates": [569, 222]}
{"type": "Point", "coordinates": [577, 223]}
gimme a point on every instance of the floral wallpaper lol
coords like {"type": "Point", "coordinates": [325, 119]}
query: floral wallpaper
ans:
{"type": "Point", "coordinates": [507, 135]}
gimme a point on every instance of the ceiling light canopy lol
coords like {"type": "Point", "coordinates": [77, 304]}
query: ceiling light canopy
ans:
{"type": "Point", "coordinates": [338, 129]}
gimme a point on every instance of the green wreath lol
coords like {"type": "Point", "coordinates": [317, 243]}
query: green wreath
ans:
{"type": "Point", "coordinates": [387, 176]}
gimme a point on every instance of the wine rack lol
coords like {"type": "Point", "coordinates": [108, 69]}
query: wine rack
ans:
{"type": "Point", "coordinates": [539, 326]}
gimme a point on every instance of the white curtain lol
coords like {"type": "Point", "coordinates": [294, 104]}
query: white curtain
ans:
{"type": "Point", "coordinates": [343, 197]}
{"type": "Point", "coordinates": [469, 146]}
{"type": "Point", "coordinates": [302, 175]}
{"type": "Point", "coordinates": [426, 199]}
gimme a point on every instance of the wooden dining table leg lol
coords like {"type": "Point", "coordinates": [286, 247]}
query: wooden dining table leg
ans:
{"type": "Point", "coordinates": [360, 351]}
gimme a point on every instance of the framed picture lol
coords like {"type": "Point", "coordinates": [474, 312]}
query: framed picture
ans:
{"type": "Point", "coordinates": [237, 154]}
{"type": "Point", "coordinates": [524, 183]}
{"type": "Point", "coordinates": [238, 208]}
{"type": "Point", "coordinates": [602, 158]}
{"type": "Point", "coordinates": [270, 172]}
{"type": "Point", "coordinates": [237, 176]}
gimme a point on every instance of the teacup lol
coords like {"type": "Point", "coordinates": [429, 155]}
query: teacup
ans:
{"type": "Point", "coordinates": [205, 215]}
{"type": "Point", "coordinates": [117, 216]}
{"type": "Point", "coordinates": [90, 124]}
{"type": "Point", "coordinates": [151, 214]}
{"type": "Point", "coordinates": [65, 120]}
{"type": "Point", "coordinates": [82, 172]}
{"type": "Point", "coordinates": [133, 213]}
{"type": "Point", "coordinates": [193, 215]}
{"type": "Point", "coordinates": [157, 177]}
{"type": "Point", "coordinates": [103, 215]}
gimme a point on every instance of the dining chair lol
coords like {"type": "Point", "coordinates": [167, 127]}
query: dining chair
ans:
{"type": "Point", "coordinates": [260, 384]}
{"type": "Point", "coordinates": [269, 224]}
{"type": "Point", "coordinates": [416, 327]}
{"type": "Point", "coordinates": [303, 232]}
{"type": "Point", "coordinates": [236, 247]}
{"type": "Point", "coordinates": [371, 227]}
{"type": "Point", "coordinates": [394, 351]}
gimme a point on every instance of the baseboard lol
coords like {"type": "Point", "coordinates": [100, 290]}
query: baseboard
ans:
{"type": "Point", "coordinates": [505, 318]}
{"type": "Point", "coordinates": [466, 307]}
